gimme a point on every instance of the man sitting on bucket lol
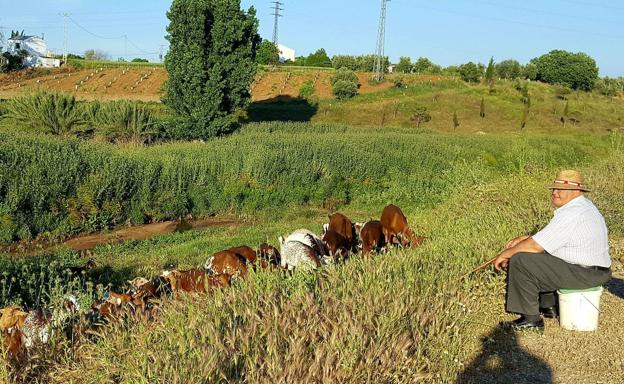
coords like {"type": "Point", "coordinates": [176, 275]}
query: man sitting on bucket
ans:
{"type": "Point", "coordinates": [571, 252]}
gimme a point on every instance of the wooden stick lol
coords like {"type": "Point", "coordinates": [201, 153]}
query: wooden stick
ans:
{"type": "Point", "coordinates": [480, 267]}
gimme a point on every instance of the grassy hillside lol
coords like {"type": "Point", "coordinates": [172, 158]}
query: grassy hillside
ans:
{"type": "Point", "coordinates": [587, 112]}
{"type": "Point", "coordinates": [275, 95]}
{"type": "Point", "coordinates": [73, 185]}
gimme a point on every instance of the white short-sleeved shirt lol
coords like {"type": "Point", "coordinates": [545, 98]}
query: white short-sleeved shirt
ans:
{"type": "Point", "coordinates": [577, 234]}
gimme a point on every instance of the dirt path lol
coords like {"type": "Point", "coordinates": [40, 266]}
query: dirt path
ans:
{"type": "Point", "coordinates": [141, 232]}
{"type": "Point", "coordinates": [556, 355]}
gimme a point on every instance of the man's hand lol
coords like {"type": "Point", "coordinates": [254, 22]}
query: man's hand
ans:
{"type": "Point", "coordinates": [501, 262]}
{"type": "Point", "coordinates": [513, 242]}
{"type": "Point", "coordinates": [519, 244]}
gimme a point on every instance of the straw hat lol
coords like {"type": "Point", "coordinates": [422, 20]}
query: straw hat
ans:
{"type": "Point", "coordinates": [569, 179]}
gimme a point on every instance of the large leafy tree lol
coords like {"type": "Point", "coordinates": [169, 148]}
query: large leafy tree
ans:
{"type": "Point", "coordinates": [470, 72]}
{"type": "Point", "coordinates": [211, 64]}
{"type": "Point", "coordinates": [575, 70]}
{"type": "Point", "coordinates": [404, 65]}
{"type": "Point", "coordinates": [509, 69]}
{"type": "Point", "coordinates": [268, 53]}
{"type": "Point", "coordinates": [318, 59]}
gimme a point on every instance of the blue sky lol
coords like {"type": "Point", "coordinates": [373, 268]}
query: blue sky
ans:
{"type": "Point", "coordinates": [447, 32]}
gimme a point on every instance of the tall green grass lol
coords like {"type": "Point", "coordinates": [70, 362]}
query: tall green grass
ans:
{"type": "Point", "coordinates": [57, 187]}
{"type": "Point", "coordinates": [399, 317]}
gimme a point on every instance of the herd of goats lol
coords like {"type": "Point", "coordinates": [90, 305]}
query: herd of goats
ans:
{"type": "Point", "coordinates": [24, 331]}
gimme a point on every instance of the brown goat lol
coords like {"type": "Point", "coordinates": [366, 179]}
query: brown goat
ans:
{"type": "Point", "coordinates": [372, 235]}
{"type": "Point", "coordinates": [195, 281]}
{"type": "Point", "coordinates": [13, 343]}
{"type": "Point", "coordinates": [269, 256]}
{"type": "Point", "coordinates": [396, 229]}
{"type": "Point", "coordinates": [342, 225]}
{"type": "Point", "coordinates": [337, 244]}
{"type": "Point", "coordinates": [226, 263]}
{"type": "Point", "coordinates": [12, 317]}
{"type": "Point", "coordinates": [245, 252]}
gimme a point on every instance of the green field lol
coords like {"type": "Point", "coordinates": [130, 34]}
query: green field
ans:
{"type": "Point", "coordinates": [400, 317]}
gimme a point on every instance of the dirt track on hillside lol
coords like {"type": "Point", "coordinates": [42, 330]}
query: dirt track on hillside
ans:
{"type": "Point", "coordinates": [146, 83]}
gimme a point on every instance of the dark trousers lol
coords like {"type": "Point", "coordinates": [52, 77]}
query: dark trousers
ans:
{"type": "Point", "coordinates": [532, 274]}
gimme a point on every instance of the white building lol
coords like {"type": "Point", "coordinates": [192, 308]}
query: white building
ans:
{"type": "Point", "coordinates": [285, 53]}
{"type": "Point", "coordinates": [36, 49]}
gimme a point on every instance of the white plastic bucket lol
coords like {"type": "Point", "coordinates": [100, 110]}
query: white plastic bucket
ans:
{"type": "Point", "coordinates": [579, 308]}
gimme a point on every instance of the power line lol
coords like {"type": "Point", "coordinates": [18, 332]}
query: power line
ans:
{"type": "Point", "coordinates": [277, 15]}
{"type": "Point", "coordinates": [93, 34]}
{"type": "Point", "coordinates": [378, 71]}
{"type": "Point", "coordinates": [142, 50]}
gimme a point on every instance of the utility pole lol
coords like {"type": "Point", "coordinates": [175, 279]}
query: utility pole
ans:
{"type": "Point", "coordinates": [378, 70]}
{"type": "Point", "coordinates": [277, 15]}
{"type": "Point", "coordinates": [126, 47]}
{"type": "Point", "coordinates": [65, 16]}
{"type": "Point", "coordinates": [160, 52]}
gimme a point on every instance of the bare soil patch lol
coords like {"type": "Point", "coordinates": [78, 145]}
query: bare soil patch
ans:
{"type": "Point", "coordinates": [140, 232]}
{"type": "Point", "coordinates": [146, 83]}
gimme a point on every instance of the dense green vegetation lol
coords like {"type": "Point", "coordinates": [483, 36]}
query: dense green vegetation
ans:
{"type": "Point", "coordinates": [58, 187]}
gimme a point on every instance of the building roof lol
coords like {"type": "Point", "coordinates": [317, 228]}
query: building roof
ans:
{"type": "Point", "coordinates": [21, 38]}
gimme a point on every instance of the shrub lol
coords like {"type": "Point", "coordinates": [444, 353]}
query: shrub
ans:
{"type": "Point", "coordinates": [470, 72]}
{"type": "Point", "coordinates": [343, 89]}
{"type": "Point", "coordinates": [610, 87]}
{"type": "Point", "coordinates": [344, 84]}
{"type": "Point", "coordinates": [268, 53]}
{"type": "Point", "coordinates": [306, 90]}
{"type": "Point", "coordinates": [55, 113]}
{"type": "Point", "coordinates": [420, 116]}
{"type": "Point", "coordinates": [404, 65]}
{"type": "Point", "coordinates": [345, 75]}
{"type": "Point", "coordinates": [123, 120]}
{"type": "Point", "coordinates": [509, 69]}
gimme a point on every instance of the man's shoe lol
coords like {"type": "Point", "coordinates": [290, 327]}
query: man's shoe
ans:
{"type": "Point", "coordinates": [522, 324]}
{"type": "Point", "coordinates": [549, 312]}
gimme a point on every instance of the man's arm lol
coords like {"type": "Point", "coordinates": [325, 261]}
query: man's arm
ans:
{"type": "Point", "coordinates": [526, 245]}
{"type": "Point", "coordinates": [514, 242]}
